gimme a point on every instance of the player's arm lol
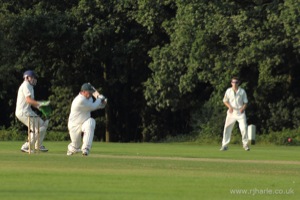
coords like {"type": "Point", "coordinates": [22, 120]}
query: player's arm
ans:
{"type": "Point", "coordinates": [32, 102]}
{"type": "Point", "coordinates": [103, 101]}
{"type": "Point", "coordinates": [228, 106]}
{"type": "Point", "coordinates": [88, 105]}
{"type": "Point", "coordinates": [243, 108]}
{"type": "Point", "coordinates": [245, 100]}
{"type": "Point", "coordinates": [226, 101]}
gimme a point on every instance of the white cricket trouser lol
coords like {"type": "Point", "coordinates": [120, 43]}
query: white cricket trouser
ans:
{"type": "Point", "coordinates": [33, 124]}
{"type": "Point", "coordinates": [88, 128]}
{"type": "Point", "coordinates": [231, 118]}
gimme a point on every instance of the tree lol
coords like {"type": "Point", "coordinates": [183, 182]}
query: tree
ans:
{"type": "Point", "coordinates": [212, 41]}
{"type": "Point", "coordinates": [164, 65]}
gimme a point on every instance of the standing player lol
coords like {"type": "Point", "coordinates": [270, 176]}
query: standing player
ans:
{"type": "Point", "coordinates": [25, 100]}
{"type": "Point", "coordinates": [80, 120]}
{"type": "Point", "coordinates": [235, 100]}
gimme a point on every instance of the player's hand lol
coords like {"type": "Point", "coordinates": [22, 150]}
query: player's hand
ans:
{"type": "Point", "coordinates": [43, 103]}
{"type": "Point", "coordinates": [102, 98]}
{"type": "Point", "coordinates": [104, 101]}
{"type": "Point", "coordinates": [96, 94]}
{"type": "Point", "coordinates": [230, 110]}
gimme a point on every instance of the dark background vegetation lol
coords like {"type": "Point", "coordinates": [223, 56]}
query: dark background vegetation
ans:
{"type": "Point", "coordinates": [163, 65]}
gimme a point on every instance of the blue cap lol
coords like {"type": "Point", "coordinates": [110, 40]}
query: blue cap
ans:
{"type": "Point", "coordinates": [29, 73]}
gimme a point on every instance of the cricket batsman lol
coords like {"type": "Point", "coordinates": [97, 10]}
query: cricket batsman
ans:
{"type": "Point", "coordinates": [25, 101]}
{"type": "Point", "coordinates": [80, 120]}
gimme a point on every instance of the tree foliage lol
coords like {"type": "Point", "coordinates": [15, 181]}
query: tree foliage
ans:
{"type": "Point", "coordinates": [164, 65]}
{"type": "Point", "coordinates": [212, 41]}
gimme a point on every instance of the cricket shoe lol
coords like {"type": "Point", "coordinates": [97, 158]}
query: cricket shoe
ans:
{"type": "Point", "coordinates": [74, 151]}
{"type": "Point", "coordinates": [70, 153]}
{"type": "Point", "coordinates": [85, 152]}
{"type": "Point", "coordinates": [224, 148]}
{"type": "Point", "coordinates": [246, 148]}
{"type": "Point", "coordinates": [25, 148]}
{"type": "Point", "coordinates": [43, 149]}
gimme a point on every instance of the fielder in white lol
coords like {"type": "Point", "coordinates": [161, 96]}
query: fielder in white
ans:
{"type": "Point", "coordinates": [25, 101]}
{"type": "Point", "coordinates": [80, 120]}
{"type": "Point", "coordinates": [235, 99]}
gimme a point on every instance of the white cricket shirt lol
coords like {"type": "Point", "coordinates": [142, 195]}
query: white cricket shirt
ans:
{"type": "Point", "coordinates": [235, 99]}
{"type": "Point", "coordinates": [22, 107]}
{"type": "Point", "coordinates": [81, 109]}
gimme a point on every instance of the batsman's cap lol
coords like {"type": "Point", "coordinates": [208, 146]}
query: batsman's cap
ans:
{"type": "Point", "coordinates": [29, 73]}
{"type": "Point", "coordinates": [87, 87]}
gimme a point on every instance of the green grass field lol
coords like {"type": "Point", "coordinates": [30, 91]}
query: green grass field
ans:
{"type": "Point", "coordinates": [137, 171]}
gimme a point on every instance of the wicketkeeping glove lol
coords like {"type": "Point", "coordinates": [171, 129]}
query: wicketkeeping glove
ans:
{"type": "Point", "coordinates": [43, 103]}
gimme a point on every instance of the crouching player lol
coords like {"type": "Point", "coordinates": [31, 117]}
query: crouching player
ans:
{"type": "Point", "coordinates": [80, 120]}
{"type": "Point", "coordinates": [25, 102]}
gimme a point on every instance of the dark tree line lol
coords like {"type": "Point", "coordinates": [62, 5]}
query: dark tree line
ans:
{"type": "Point", "coordinates": [164, 65]}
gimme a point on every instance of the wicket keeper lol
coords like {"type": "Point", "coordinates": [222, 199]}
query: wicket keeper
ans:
{"type": "Point", "coordinates": [25, 101]}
